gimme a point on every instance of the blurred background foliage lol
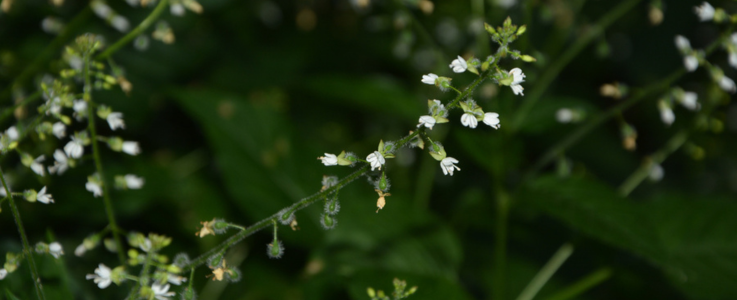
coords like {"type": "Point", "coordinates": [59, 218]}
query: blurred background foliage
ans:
{"type": "Point", "coordinates": [232, 115]}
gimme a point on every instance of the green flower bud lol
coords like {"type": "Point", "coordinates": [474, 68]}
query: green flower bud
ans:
{"type": "Point", "coordinates": [437, 151]}
{"type": "Point", "coordinates": [30, 195]}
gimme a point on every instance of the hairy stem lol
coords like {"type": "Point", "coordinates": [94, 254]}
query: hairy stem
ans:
{"type": "Point", "coordinates": [135, 32]}
{"type": "Point", "coordinates": [27, 250]}
{"type": "Point", "coordinates": [551, 73]}
{"type": "Point", "coordinates": [546, 272]}
{"type": "Point", "coordinates": [98, 161]}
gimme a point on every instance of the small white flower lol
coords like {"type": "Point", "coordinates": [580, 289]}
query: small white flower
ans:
{"type": "Point", "coordinates": [733, 59]}
{"type": "Point", "coordinates": [177, 9]}
{"type": "Point", "coordinates": [705, 11]}
{"type": "Point", "coordinates": [133, 182]}
{"type": "Point", "coordinates": [691, 62]}
{"type": "Point", "coordinates": [54, 106]}
{"type": "Point", "coordinates": [564, 115]}
{"type": "Point", "coordinates": [458, 65]}
{"type": "Point", "coordinates": [115, 120]}
{"type": "Point", "coordinates": [505, 3]}
{"type": "Point", "coordinates": [101, 9]}
{"type": "Point", "coordinates": [43, 197]}
{"type": "Point", "coordinates": [94, 187]}
{"type": "Point", "coordinates": [175, 279]}
{"type": "Point", "coordinates": [80, 109]}
{"type": "Point", "coordinates": [429, 79]}
{"type": "Point", "coordinates": [36, 165]}
{"type": "Point", "coordinates": [3, 273]}
{"type": "Point", "coordinates": [120, 23]}
{"type": "Point", "coordinates": [682, 43]}
{"type": "Point", "coordinates": [74, 148]}
{"type": "Point", "coordinates": [518, 77]}
{"type": "Point", "coordinates": [55, 249]}
{"type": "Point", "coordinates": [329, 159]}
{"type": "Point", "coordinates": [469, 120]}
{"type": "Point", "coordinates": [161, 292]}
{"type": "Point", "coordinates": [448, 165]}
{"type": "Point", "coordinates": [666, 114]}
{"type": "Point", "coordinates": [376, 160]}
{"type": "Point", "coordinates": [733, 38]}
{"type": "Point", "coordinates": [492, 119]}
{"type": "Point", "coordinates": [131, 148]}
{"type": "Point", "coordinates": [727, 84]}
{"type": "Point", "coordinates": [146, 245]}
{"type": "Point", "coordinates": [59, 130]}
{"type": "Point", "coordinates": [689, 101]}
{"type": "Point", "coordinates": [427, 121]}
{"type": "Point", "coordinates": [101, 276]}
{"type": "Point", "coordinates": [80, 250]}
{"type": "Point", "coordinates": [12, 133]}
{"type": "Point", "coordinates": [656, 172]}
{"type": "Point", "coordinates": [61, 163]}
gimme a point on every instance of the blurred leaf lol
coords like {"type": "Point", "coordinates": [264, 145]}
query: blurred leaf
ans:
{"type": "Point", "coordinates": [378, 93]}
{"type": "Point", "coordinates": [692, 240]}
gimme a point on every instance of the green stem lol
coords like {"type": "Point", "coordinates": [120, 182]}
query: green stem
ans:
{"type": "Point", "coordinates": [135, 32]}
{"type": "Point", "coordinates": [546, 272]}
{"type": "Point", "coordinates": [98, 161]}
{"type": "Point", "coordinates": [50, 50]}
{"type": "Point", "coordinates": [143, 276]}
{"type": "Point", "coordinates": [582, 285]}
{"type": "Point", "coordinates": [24, 238]}
{"type": "Point", "coordinates": [551, 73]}
{"type": "Point", "coordinates": [9, 111]}
{"type": "Point", "coordinates": [643, 171]}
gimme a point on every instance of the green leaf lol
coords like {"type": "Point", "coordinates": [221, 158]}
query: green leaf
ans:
{"type": "Point", "coordinates": [691, 239]}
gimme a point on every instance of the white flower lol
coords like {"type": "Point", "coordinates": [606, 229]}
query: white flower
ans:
{"type": "Point", "coordinates": [145, 245]}
{"type": "Point", "coordinates": [469, 120]}
{"type": "Point", "coordinates": [689, 101]}
{"type": "Point", "coordinates": [492, 119]}
{"type": "Point", "coordinates": [428, 121]}
{"type": "Point", "coordinates": [80, 250]}
{"type": "Point", "coordinates": [705, 11]}
{"type": "Point", "coordinates": [115, 120]}
{"type": "Point", "coordinates": [133, 182]}
{"type": "Point", "coordinates": [74, 148]}
{"type": "Point", "coordinates": [12, 133]}
{"type": "Point", "coordinates": [55, 249]}
{"type": "Point", "coordinates": [329, 159]}
{"type": "Point", "coordinates": [161, 292]}
{"type": "Point", "coordinates": [120, 23]}
{"type": "Point", "coordinates": [448, 164]}
{"type": "Point", "coordinates": [94, 187]}
{"type": "Point", "coordinates": [564, 115]}
{"type": "Point", "coordinates": [505, 3]}
{"type": "Point", "coordinates": [61, 164]}
{"type": "Point", "coordinates": [101, 9]}
{"type": "Point", "coordinates": [131, 148]}
{"type": "Point", "coordinates": [101, 276]}
{"type": "Point", "coordinates": [429, 79]}
{"type": "Point", "coordinates": [691, 63]}
{"type": "Point", "coordinates": [54, 106]}
{"type": "Point", "coordinates": [80, 109]}
{"type": "Point", "coordinates": [682, 43]}
{"type": "Point", "coordinates": [59, 130]}
{"type": "Point", "coordinates": [458, 65]}
{"type": "Point", "coordinates": [733, 38]}
{"type": "Point", "coordinates": [177, 9]}
{"type": "Point", "coordinates": [733, 59]}
{"type": "Point", "coordinates": [175, 279]}
{"type": "Point", "coordinates": [36, 165]}
{"type": "Point", "coordinates": [727, 84]}
{"type": "Point", "coordinates": [518, 77]}
{"type": "Point", "coordinates": [656, 172]}
{"type": "Point", "coordinates": [43, 197]}
{"type": "Point", "coordinates": [3, 273]}
{"type": "Point", "coordinates": [376, 160]}
{"type": "Point", "coordinates": [666, 114]}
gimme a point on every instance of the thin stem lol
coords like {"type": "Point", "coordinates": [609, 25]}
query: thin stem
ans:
{"type": "Point", "coordinates": [24, 238]}
{"type": "Point", "coordinates": [551, 73]}
{"type": "Point", "coordinates": [583, 285]}
{"type": "Point", "coordinates": [546, 272]}
{"type": "Point", "coordinates": [50, 50]}
{"type": "Point", "coordinates": [135, 32]}
{"type": "Point", "coordinates": [643, 171]}
{"type": "Point", "coordinates": [98, 161]}
{"type": "Point", "coordinates": [9, 111]}
{"type": "Point", "coordinates": [455, 89]}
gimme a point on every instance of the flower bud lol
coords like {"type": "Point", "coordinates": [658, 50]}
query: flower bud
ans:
{"type": "Point", "coordinates": [328, 222]}
{"type": "Point", "coordinates": [275, 249]}
{"type": "Point", "coordinates": [437, 151]}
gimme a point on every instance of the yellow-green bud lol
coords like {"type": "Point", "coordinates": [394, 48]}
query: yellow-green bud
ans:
{"type": "Point", "coordinates": [528, 58]}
